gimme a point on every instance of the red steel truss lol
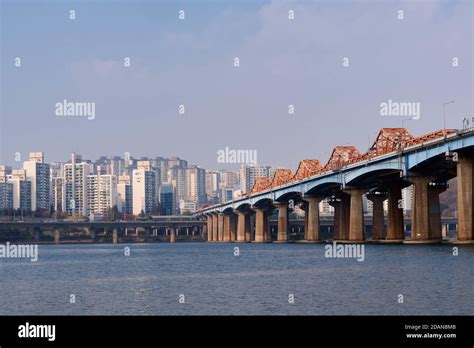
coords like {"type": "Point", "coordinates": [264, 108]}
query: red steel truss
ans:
{"type": "Point", "coordinates": [388, 140]}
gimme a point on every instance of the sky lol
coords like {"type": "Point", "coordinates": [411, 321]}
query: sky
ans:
{"type": "Point", "coordinates": [190, 62]}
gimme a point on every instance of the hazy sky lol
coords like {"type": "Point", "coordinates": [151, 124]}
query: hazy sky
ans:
{"type": "Point", "coordinates": [191, 62]}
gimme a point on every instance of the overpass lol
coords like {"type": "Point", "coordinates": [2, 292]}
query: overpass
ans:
{"type": "Point", "coordinates": [169, 226]}
{"type": "Point", "coordinates": [395, 160]}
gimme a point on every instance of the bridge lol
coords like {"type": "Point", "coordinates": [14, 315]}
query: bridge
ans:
{"type": "Point", "coordinates": [395, 160]}
{"type": "Point", "coordinates": [168, 227]}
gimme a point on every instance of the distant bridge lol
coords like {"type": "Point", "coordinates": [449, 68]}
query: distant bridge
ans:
{"type": "Point", "coordinates": [170, 227]}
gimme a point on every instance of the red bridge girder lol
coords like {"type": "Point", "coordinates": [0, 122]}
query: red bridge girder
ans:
{"type": "Point", "coordinates": [388, 140]}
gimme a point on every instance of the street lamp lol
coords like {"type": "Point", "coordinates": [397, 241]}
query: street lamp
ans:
{"type": "Point", "coordinates": [406, 119]}
{"type": "Point", "coordinates": [444, 113]}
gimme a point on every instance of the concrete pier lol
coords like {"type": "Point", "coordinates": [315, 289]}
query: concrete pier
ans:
{"type": "Point", "coordinates": [172, 235]}
{"type": "Point", "coordinates": [226, 228]}
{"type": "Point", "coordinates": [215, 233]}
{"type": "Point", "coordinates": [260, 224]}
{"type": "Point", "coordinates": [56, 233]}
{"type": "Point", "coordinates": [241, 217]}
{"type": "Point", "coordinates": [378, 223]}
{"type": "Point", "coordinates": [283, 221]}
{"type": "Point", "coordinates": [420, 218]}
{"type": "Point", "coordinates": [356, 216]}
{"type": "Point", "coordinates": [312, 223]}
{"type": "Point", "coordinates": [395, 232]}
{"type": "Point", "coordinates": [36, 234]}
{"type": "Point", "coordinates": [209, 228]}
{"type": "Point", "coordinates": [341, 216]}
{"type": "Point", "coordinates": [114, 235]}
{"type": "Point", "coordinates": [465, 177]}
{"type": "Point", "coordinates": [220, 226]}
{"type": "Point", "coordinates": [233, 227]}
{"type": "Point", "coordinates": [434, 211]}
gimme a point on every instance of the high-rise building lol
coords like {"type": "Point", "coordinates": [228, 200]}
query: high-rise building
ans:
{"type": "Point", "coordinates": [144, 191]}
{"type": "Point", "coordinates": [229, 179]}
{"type": "Point", "coordinates": [55, 173]}
{"type": "Point", "coordinates": [167, 199]}
{"type": "Point", "coordinates": [226, 194]}
{"type": "Point", "coordinates": [117, 166]}
{"type": "Point", "coordinates": [196, 184]}
{"type": "Point", "coordinates": [325, 208]}
{"type": "Point", "coordinates": [38, 173]}
{"type": "Point", "coordinates": [407, 198]}
{"type": "Point", "coordinates": [248, 174]}
{"type": "Point", "coordinates": [148, 165]}
{"type": "Point", "coordinates": [4, 171]}
{"type": "Point", "coordinates": [162, 164]}
{"type": "Point", "coordinates": [178, 178]}
{"type": "Point", "coordinates": [125, 194]}
{"type": "Point", "coordinates": [75, 186]}
{"type": "Point", "coordinates": [101, 193]}
{"type": "Point", "coordinates": [21, 189]}
{"type": "Point", "coordinates": [58, 194]}
{"type": "Point", "coordinates": [187, 207]}
{"type": "Point", "coordinates": [177, 162]}
{"type": "Point", "coordinates": [213, 179]}
{"type": "Point", "coordinates": [6, 195]}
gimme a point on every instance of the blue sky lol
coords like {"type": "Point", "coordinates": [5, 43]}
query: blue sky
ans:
{"type": "Point", "coordinates": [190, 62]}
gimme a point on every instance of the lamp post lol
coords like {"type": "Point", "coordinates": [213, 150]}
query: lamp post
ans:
{"type": "Point", "coordinates": [406, 119]}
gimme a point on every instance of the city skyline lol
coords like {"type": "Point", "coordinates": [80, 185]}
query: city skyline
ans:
{"type": "Point", "coordinates": [133, 186]}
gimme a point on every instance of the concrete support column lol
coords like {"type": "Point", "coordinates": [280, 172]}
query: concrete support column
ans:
{"type": "Point", "coordinates": [434, 211]}
{"type": "Point", "coordinates": [209, 229]}
{"type": "Point", "coordinates": [304, 207]}
{"type": "Point", "coordinates": [266, 231]}
{"type": "Point", "coordinates": [420, 216]}
{"type": "Point", "coordinates": [241, 225]}
{"type": "Point", "coordinates": [356, 216]}
{"type": "Point", "coordinates": [215, 233]}
{"type": "Point", "coordinates": [465, 185]}
{"type": "Point", "coordinates": [311, 221]}
{"type": "Point", "coordinates": [92, 233]}
{"type": "Point", "coordinates": [220, 226]}
{"type": "Point", "coordinates": [56, 233]}
{"type": "Point", "coordinates": [341, 217]}
{"type": "Point", "coordinates": [115, 236]}
{"type": "Point", "coordinates": [226, 228]}
{"type": "Point", "coordinates": [378, 223]}
{"type": "Point", "coordinates": [395, 225]}
{"type": "Point", "coordinates": [260, 222]}
{"type": "Point", "coordinates": [283, 221]}
{"type": "Point", "coordinates": [249, 227]}
{"type": "Point", "coordinates": [233, 227]}
{"type": "Point", "coordinates": [172, 235]}
{"type": "Point", "coordinates": [36, 234]}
